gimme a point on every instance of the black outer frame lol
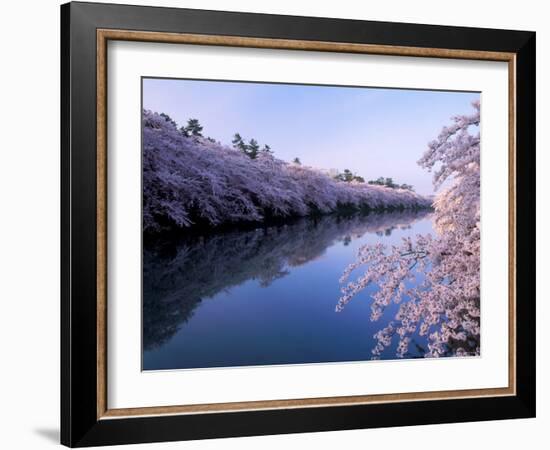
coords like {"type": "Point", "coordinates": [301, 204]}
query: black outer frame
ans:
{"type": "Point", "coordinates": [79, 423]}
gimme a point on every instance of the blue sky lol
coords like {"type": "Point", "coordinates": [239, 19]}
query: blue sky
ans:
{"type": "Point", "coordinates": [373, 132]}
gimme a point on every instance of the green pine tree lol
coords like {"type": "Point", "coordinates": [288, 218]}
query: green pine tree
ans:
{"type": "Point", "coordinates": [252, 148]}
{"type": "Point", "coordinates": [238, 142]}
{"type": "Point", "coordinates": [193, 128]}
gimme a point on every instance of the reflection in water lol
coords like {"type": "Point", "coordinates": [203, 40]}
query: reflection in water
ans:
{"type": "Point", "coordinates": [178, 276]}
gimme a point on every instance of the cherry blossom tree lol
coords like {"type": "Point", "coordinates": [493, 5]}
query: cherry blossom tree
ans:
{"type": "Point", "coordinates": [434, 279]}
{"type": "Point", "coordinates": [190, 180]}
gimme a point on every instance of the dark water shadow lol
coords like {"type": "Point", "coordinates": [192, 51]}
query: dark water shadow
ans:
{"type": "Point", "coordinates": [179, 274]}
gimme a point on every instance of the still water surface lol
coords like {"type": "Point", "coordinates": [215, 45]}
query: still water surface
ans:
{"type": "Point", "coordinates": [266, 296]}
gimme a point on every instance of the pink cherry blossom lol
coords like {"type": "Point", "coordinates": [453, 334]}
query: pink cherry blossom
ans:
{"type": "Point", "coordinates": [193, 180]}
{"type": "Point", "coordinates": [445, 306]}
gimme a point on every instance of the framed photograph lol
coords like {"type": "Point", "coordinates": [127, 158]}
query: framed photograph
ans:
{"type": "Point", "coordinates": [277, 224]}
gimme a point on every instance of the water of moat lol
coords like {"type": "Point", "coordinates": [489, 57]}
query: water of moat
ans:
{"type": "Point", "coordinates": [267, 295]}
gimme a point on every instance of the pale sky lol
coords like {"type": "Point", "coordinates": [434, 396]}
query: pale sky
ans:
{"type": "Point", "coordinates": [371, 131]}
